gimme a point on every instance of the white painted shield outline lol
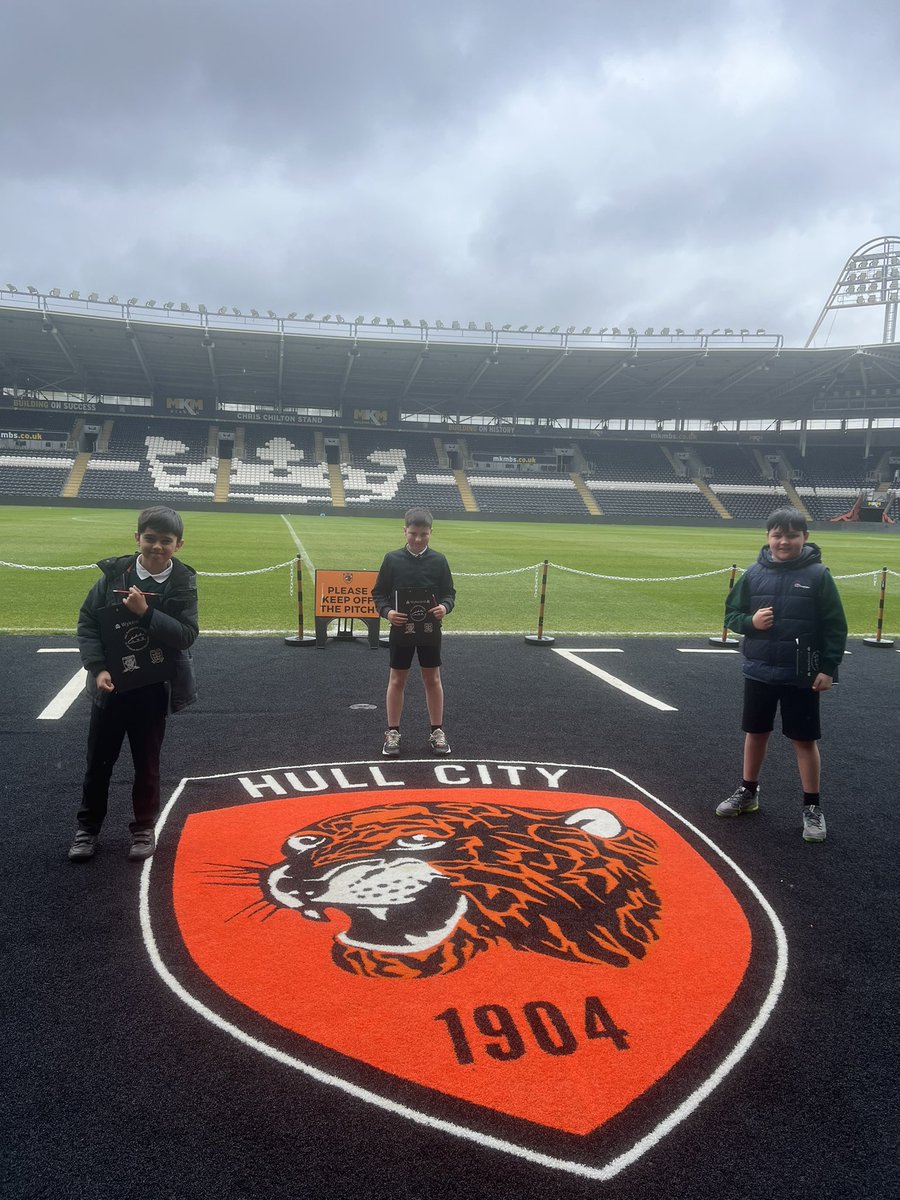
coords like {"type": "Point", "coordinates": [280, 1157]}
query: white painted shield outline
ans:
{"type": "Point", "coordinates": [584, 1170]}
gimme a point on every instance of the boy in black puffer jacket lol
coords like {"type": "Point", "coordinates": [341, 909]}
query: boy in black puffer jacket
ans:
{"type": "Point", "coordinates": [159, 596]}
{"type": "Point", "coordinates": [786, 597]}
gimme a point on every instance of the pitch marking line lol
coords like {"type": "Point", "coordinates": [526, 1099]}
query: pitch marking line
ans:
{"type": "Point", "coordinates": [301, 549]}
{"type": "Point", "coordinates": [710, 651]}
{"type": "Point", "coordinates": [573, 657]}
{"type": "Point", "coordinates": [65, 697]}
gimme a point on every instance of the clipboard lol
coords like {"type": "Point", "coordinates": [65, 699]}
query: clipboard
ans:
{"type": "Point", "coordinates": [133, 658]}
{"type": "Point", "coordinates": [422, 629]}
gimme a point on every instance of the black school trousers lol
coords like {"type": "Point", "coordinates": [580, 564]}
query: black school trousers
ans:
{"type": "Point", "coordinates": [141, 717]}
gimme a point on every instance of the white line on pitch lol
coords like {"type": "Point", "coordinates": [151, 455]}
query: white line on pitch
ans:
{"type": "Point", "coordinates": [301, 549]}
{"type": "Point", "coordinates": [65, 698]}
{"type": "Point", "coordinates": [602, 650]}
{"type": "Point", "coordinates": [572, 656]}
{"type": "Point", "coordinates": [58, 650]}
{"type": "Point", "coordinates": [710, 651]}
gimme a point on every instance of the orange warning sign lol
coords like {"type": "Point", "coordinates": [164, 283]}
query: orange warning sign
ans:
{"type": "Point", "coordinates": [345, 594]}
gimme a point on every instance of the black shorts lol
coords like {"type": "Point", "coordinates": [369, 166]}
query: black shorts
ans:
{"type": "Point", "coordinates": [402, 656]}
{"type": "Point", "coordinates": [799, 710]}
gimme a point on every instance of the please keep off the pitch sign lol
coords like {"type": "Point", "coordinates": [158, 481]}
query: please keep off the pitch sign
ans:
{"type": "Point", "coordinates": [345, 594]}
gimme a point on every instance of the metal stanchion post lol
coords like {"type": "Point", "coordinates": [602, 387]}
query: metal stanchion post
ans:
{"type": "Point", "coordinates": [540, 640]}
{"type": "Point", "coordinates": [878, 640]}
{"type": "Point", "coordinates": [302, 639]}
{"type": "Point", "coordinates": [725, 640]}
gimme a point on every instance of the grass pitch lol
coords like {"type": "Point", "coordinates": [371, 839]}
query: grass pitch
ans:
{"type": "Point", "coordinates": [496, 567]}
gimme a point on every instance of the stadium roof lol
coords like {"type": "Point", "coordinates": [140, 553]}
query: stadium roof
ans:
{"type": "Point", "coordinates": [109, 350]}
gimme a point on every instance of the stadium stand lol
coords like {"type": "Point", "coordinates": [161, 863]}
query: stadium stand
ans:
{"type": "Point", "coordinates": [34, 472]}
{"type": "Point", "coordinates": [277, 466]}
{"type": "Point", "coordinates": [399, 469]}
{"type": "Point", "coordinates": [151, 462]}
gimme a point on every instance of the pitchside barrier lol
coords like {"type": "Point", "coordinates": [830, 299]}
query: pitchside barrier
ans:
{"type": "Point", "coordinates": [344, 596]}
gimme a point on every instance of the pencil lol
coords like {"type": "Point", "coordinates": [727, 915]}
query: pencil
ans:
{"type": "Point", "coordinates": [127, 592]}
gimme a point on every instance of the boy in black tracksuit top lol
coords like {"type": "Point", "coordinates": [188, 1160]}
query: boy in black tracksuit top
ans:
{"type": "Point", "coordinates": [161, 592]}
{"type": "Point", "coordinates": [785, 595]}
{"type": "Point", "coordinates": [414, 565]}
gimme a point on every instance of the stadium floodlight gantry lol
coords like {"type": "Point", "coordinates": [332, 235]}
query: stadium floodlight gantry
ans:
{"type": "Point", "coordinates": [870, 276]}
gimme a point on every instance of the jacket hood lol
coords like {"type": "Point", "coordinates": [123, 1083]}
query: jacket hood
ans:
{"type": "Point", "coordinates": [808, 555]}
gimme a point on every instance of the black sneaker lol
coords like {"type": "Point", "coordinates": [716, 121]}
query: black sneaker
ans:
{"type": "Point", "coordinates": [143, 843]}
{"type": "Point", "coordinates": [83, 847]}
{"type": "Point", "coordinates": [740, 801]}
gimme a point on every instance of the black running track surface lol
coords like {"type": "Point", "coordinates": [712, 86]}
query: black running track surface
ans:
{"type": "Point", "coordinates": [118, 1087]}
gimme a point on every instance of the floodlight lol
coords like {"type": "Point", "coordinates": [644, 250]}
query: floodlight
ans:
{"type": "Point", "coordinates": [93, 296]}
{"type": "Point", "coordinates": [150, 304]}
{"type": "Point", "coordinates": [679, 332]}
{"type": "Point", "coordinates": [423, 324]}
{"type": "Point", "coordinates": [33, 290]}
{"type": "Point", "coordinates": [74, 295]}
{"type": "Point", "coordinates": [237, 312]}
{"type": "Point", "coordinates": [632, 332]}
{"type": "Point", "coordinates": [571, 329]}
{"type": "Point", "coordinates": [376, 320]}
{"type": "Point", "coordinates": [54, 292]}
{"type": "Point", "coordinates": [616, 331]}
{"type": "Point", "coordinates": [222, 311]}
{"type": "Point", "coordinates": [602, 329]}
{"type": "Point", "coordinates": [587, 329]}
{"type": "Point", "coordinates": [390, 321]}
{"type": "Point", "coordinates": [207, 342]}
{"type": "Point", "coordinates": [201, 308]}
{"type": "Point", "coordinates": [697, 332]}
{"type": "Point", "coordinates": [648, 332]}
{"type": "Point", "coordinates": [11, 287]}
{"type": "Point", "coordinates": [309, 317]}
{"type": "Point", "coordinates": [538, 329]}
{"type": "Point", "coordinates": [170, 304]}
{"type": "Point", "coordinates": [744, 332]}
{"type": "Point", "coordinates": [47, 325]}
{"type": "Point", "coordinates": [506, 328]}
{"type": "Point", "coordinates": [440, 325]}
{"type": "Point", "coordinates": [729, 332]}
{"type": "Point", "coordinates": [713, 332]}
{"type": "Point", "coordinates": [359, 320]}
{"type": "Point", "coordinates": [456, 325]}
{"type": "Point", "coordinates": [114, 299]}
{"type": "Point", "coordinates": [523, 328]}
{"type": "Point", "coordinates": [132, 300]}
{"type": "Point", "coordinates": [270, 313]}
{"type": "Point", "coordinates": [407, 323]}
{"type": "Point", "coordinates": [185, 307]}
{"type": "Point", "coordinates": [760, 331]}
{"type": "Point", "coordinates": [292, 316]}
{"type": "Point", "coordinates": [488, 327]}
{"type": "Point", "coordinates": [327, 317]}
{"type": "Point", "coordinates": [554, 329]}
{"type": "Point", "coordinates": [340, 319]}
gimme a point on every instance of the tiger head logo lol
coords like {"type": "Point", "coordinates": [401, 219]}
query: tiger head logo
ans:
{"type": "Point", "coordinates": [426, 887]}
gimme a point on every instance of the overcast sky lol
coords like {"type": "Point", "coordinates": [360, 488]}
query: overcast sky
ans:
{"type": "Point", "coordinates": [644, 162]}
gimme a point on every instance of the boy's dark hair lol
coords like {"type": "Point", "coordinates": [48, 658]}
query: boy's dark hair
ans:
{"type": "Point", "coordinates": [417, 516]}
{"type": "Point", "coordinates": [787, 518]}
{"type": "Point", "coordinates": [162, 519]}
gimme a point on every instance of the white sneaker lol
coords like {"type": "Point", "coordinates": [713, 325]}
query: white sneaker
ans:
{"type": "Point", "coordinates": [438, 742]}
{"type": "Point", "coordinates": [813, 823]}
{"type": "Point", "coordinates": [391, 747]}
